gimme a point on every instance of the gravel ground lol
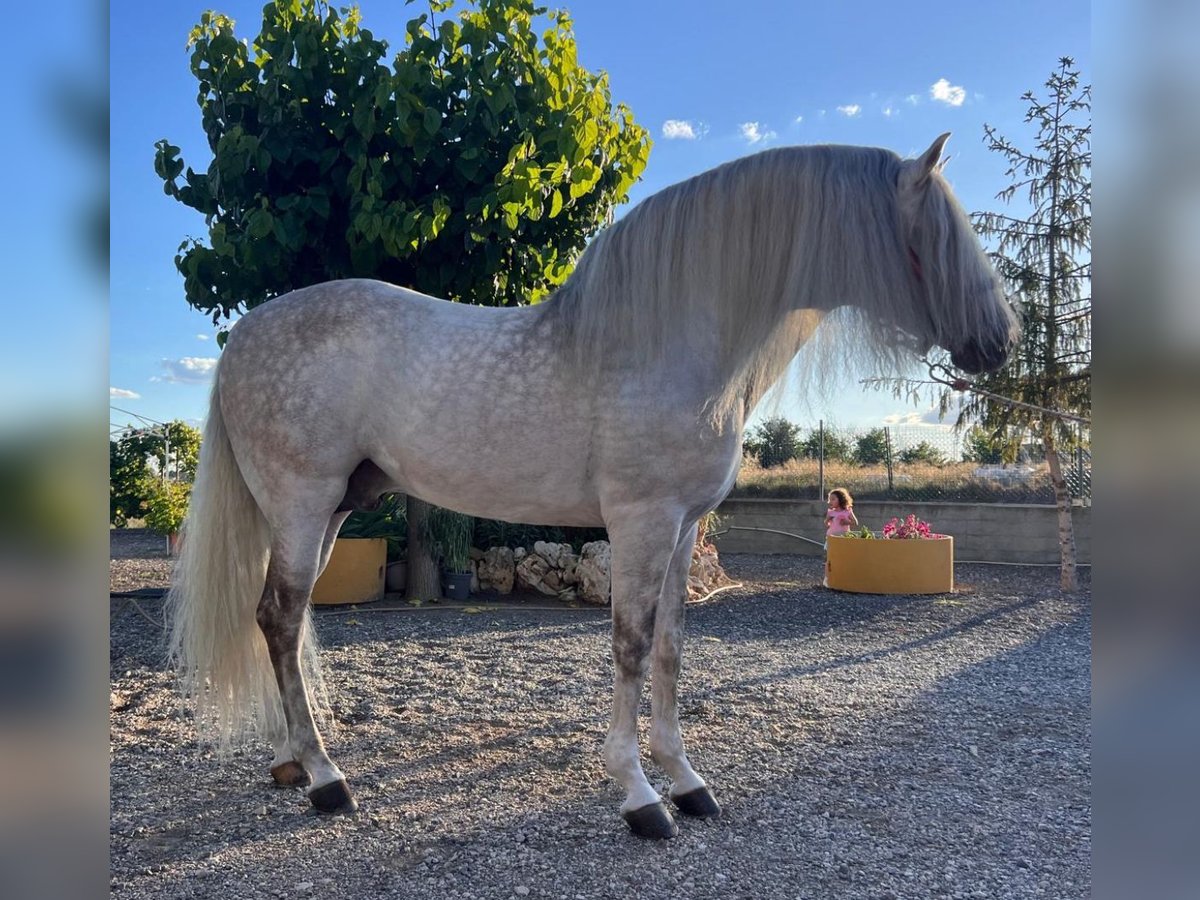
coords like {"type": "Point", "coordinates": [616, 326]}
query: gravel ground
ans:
{"type": "Point", "coordinates": [138, 560]}
{"type": "Point", "coordinates": [861, 746]}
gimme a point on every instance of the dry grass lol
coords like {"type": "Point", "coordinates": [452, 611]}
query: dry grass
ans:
{"type": "Point", "coordinates": [800, 479]}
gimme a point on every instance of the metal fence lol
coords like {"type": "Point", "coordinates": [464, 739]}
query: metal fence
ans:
{"type": "Point", "coordinates": [907, 462]}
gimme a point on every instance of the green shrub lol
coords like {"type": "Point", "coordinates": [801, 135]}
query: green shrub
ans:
{"type": "Point", "coordinates": [166, 505]}
{"type": "Point", "coordinates": [774, 442]}
{"type": "Point", "coordinates": [923, 452]}
{"type": "Point", "coordinates": [389, 521]}
{"type": "Point", "coordinates": [449, 534]}
{"type": "Point", "coordinates": [871, 447]}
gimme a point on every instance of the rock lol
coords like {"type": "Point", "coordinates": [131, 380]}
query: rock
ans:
{"type": "Point", "coordinates": [705, 574]}
{"type": "Point", "coordinates": [497, 570]}
{"type": "Point", "coordinates": [559, 556]}
{"type": "Point", "coordinates": [593, 573]}
{"type": "Point", "coordinates": [531, 573]}
{"type": "Point", "coordinates": [549, 569]}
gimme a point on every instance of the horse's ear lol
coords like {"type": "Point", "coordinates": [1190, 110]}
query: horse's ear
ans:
{"type": "Point", "coordinates": [929, 162]}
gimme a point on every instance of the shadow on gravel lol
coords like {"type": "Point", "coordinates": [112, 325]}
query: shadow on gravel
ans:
{"type": "Point", "coordinates": [973, 623]}
{"type": "Point", "coordinates": [981, 783]}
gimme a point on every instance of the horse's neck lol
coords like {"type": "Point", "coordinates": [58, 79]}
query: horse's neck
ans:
{"type": "Point", "coordinates": [742, 366]}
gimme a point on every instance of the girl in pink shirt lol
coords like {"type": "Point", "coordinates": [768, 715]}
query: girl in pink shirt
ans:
{"type": "Point", "coordinates": [839, 519]}
{"type": "Point", "coordinates": [839, 514]}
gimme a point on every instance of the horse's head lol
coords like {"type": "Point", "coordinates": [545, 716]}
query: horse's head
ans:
{"type": "Point", "coordinates": [959, 299]}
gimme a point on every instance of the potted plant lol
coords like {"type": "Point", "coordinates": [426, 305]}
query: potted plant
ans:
{"type": "Point", "coordinates": [357, 567]}
{"type": "Point", "coordinates": [906, 557]}
{"type": "Point", "coordinates": [166, 504]}
{"type": "Point", "coordinates": [449, 533]}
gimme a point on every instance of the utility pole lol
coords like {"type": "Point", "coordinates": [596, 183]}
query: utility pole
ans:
{"type": "Point", "coordinates": [821, 461]}
{"type": "Point", "coordinates": [887, 440]}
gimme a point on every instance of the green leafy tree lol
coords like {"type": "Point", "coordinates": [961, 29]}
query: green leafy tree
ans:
{"type": "Point", "coordinates": [871, 448]}
{"type": "Point", "coordinates": [166, 504]}
{"type": "Point", "coordinates": [837, 448]}
{"type": "Point", "coordinates": [981, 446]}
{"type": "Point", "coordinates": [473, 165]}
{"type": "Point", "coordinates": [1045, 256]}
{"type": "Point", "coordinates": [130, 470]}
{"type": "Point", "coordinates": [127, 469]}
{"type": "Point", "coordinates": [774, 442]}
{"type": "Point", "coordinates": [923, 452]}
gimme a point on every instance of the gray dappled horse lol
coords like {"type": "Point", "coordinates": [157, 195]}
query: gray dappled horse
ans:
{"type": "Point", "coordinates": [644, 366]}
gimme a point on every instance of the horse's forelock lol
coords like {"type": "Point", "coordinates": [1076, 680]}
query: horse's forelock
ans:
{"type": "Point", "coordinates": [960, 288]}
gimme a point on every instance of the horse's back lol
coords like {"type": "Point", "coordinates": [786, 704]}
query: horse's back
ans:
{"type": "Point", "coordinates": [449, 400]}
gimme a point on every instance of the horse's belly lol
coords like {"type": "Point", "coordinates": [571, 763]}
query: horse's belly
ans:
{"type": "Point", "coordinates": [505, 476]}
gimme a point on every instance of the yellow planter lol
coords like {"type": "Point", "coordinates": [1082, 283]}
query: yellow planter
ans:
{"type": "Point", "coordinates": [355, 572]}
{"type": "Point", "coordinates": [896, 566]}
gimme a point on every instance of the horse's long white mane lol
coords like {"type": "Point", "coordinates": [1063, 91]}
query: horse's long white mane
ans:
{"type": "Point", "coordinates": [762, 249]}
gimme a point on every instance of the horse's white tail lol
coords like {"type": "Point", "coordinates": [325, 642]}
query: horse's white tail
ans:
{"type": "Point", "coordinates": [215, 642]}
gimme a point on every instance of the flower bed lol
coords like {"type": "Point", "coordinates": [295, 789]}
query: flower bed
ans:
{"type": "Point", "coordinates": [907, 558]}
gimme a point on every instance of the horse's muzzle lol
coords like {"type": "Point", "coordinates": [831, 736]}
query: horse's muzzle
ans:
{"type": "Point", "coordinates": [975, 358]}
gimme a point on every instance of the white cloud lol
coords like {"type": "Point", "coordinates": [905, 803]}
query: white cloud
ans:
{"type": "Point", "coordinates": [928, 417]}
{"type": "Point", "coordinates": [912, 99]}
{"type": "Point", "coordinates": [918, 419]}
{"type": "Point", "coordinates": [799, 119]}
{"type": "Point", "coordinates": [890, 111]}
{"type": "Point", "coordinates": [945, 92]}
{"type": "Point", "coordinates": [850, 109]}
{"type": "Point", "coordinates": [754, 133]}
{"type": "Point", "coordinates": [122, 394]}
{"type": "Point", "coordinates": [202, 337]}
{"type": "Point", "coordinates": [189, 370]}
{"type": "Point", "coordinates": [681, 129]}
{"type": "Point", "coordinates": [821, 113]}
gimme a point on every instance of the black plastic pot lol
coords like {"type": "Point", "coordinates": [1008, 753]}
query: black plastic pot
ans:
{"type": "Point", "coordinates": [457, 585]}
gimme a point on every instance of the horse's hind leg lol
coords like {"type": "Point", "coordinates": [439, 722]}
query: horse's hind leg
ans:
{"type": "Point", "coordinates": [285, 770]}
{"type": "Point", "coordinates": [296, 556]}
{"type": "Point", "coordinates": [642, 545]}
{"type": "Point", "coordinates": [688, 791]}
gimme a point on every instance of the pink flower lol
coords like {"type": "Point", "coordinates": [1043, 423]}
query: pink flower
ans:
{"type": "Point", "coordinates": [909, 528]}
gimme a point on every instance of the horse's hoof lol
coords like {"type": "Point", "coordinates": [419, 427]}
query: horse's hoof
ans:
{"type": "Point", "coordinates": [290, 774]}
{"type": "Point", "coordinates": [333, 798]}
{"type": "Point", "coordinates": [651, 821]}
{"type": "Point", "coordinates": [699, 803]}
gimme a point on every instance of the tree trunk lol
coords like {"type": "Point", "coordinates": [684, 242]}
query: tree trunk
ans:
{"type": "Point", "coordinates": [1069, 579]}
{"type": "Point", "coordinates": [424, 579]}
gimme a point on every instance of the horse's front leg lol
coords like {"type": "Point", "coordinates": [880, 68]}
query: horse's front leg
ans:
{"type": "Point", "coordinates": [643, 542]}
{"type": "Point", "coordinates": [688, 791]}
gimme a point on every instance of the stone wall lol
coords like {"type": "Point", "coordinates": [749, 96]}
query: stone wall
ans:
{"type": "Point", "coordinates": [986, 532]}
{"type": "Point", "coordinates": [555, 570]}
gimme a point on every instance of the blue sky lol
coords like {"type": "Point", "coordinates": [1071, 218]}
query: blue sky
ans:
{"type": "Point", "coordinates": [711, 81]}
